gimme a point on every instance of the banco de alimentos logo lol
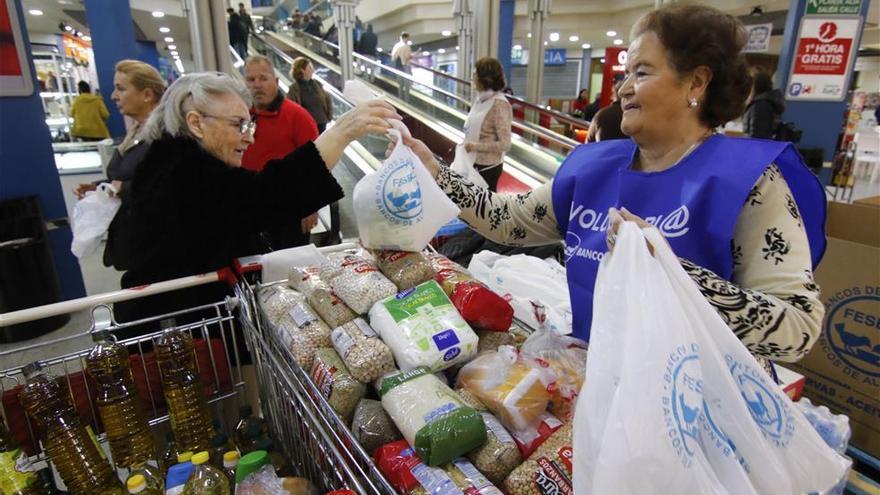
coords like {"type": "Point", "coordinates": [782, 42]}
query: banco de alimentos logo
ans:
{"type": "Point", "coordinates": [399, 195]}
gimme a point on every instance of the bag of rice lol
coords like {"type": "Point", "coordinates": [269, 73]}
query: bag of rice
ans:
{"type": "Point", "coordinates": [303, 333]}
{"type": "Point", "coordinates": [500, 454]}
{"type": "Point", "coordinates": [372, 427]}
{"type": "Point", "coordinates": [358, 282]}
{"type": "Point", "coordinates": [277, 300]}
{"type": "Point", "coordinates": [422, 328]}
{"type": "Point", "coordinates": [547, 471]}
{"type": "Point", "coordinates": [431, 416]}
{"type": "Point", "coordinates": [320, 296]}
{"type": "Point", "coordinates": [405, 268]}
{"type": "Point", "coordinates": [365, 355]}
{"type": "Point", "coordinates": [477, 303]}
{"type": "Point", "coordinates": [336, 384]}
{"type": "Point", "coordinates": [513, 387]}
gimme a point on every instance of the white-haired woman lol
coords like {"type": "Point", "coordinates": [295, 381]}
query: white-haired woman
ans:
{"type": "Point", "coordinates": [195, 209]}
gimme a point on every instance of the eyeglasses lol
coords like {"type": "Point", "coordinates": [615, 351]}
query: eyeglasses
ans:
{"type": "Point", "coordinates": [244, 125]}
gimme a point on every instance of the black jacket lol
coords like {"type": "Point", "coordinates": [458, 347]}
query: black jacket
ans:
{"type": "Point", "coordinates": [763, 115]}
{"type": "Point", "coordinates": [192, 214]}
{"type": "Point", "coordinates": [118, 250]}
{"type": "Point", "coordinates": [368, 43]}
{"type": "Point", "coordinates": [238, 31]}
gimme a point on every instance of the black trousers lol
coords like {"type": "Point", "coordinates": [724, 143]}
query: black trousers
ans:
{"type": "Point", "coordinates": [491, 174]}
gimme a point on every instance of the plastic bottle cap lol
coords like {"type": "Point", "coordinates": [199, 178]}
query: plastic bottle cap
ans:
{"type": "Point", "coordinates": [200, 458]}
{"type": "Point", "coordinates": [231, 456]}
{"type": "Point", "coordinates": [136, 483]}
{"type": "Point", "coordinates": [251, 463]}
{"type": "Point", "coordinates": [178, 474]}
{"type": "Point", "coordinates": [184, 457]}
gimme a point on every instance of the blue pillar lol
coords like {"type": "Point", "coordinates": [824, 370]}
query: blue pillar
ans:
{"type": "Point", "coordinates": [821, 121]}
{"type": "Point", "coordinates": [112, 34]}
{"type": "Point", "coordinates": [27, 167]}
{"type": "Point", "coordinates": [147, 52]}
{"type": "Point", "coordinates": [505, 36]}
{"type": "Point", "coordinates": [304, 5]}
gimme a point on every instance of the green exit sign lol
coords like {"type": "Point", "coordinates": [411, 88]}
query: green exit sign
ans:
{"type": "Point", "coordinates": [833, 7]}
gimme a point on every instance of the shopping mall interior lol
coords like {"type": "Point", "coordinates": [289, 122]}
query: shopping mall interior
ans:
{"type": "Point", "coordinates": [563, 68]}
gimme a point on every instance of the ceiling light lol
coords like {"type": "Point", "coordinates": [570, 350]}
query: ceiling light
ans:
{"type": "Point", "coordinates": [554, 36]}
{"type": "Point", "coordinates": [175, 53]}
{"type": "Point", "coordinates": [574, 38]}
{"type": "Point", "coordinates": [68, 28]}
{"type": "Point", "coordinates": [517, 47]}
{"type": "Point", "coordinates": [164, 29]}
{"type": "Point", "coordinates": [169, 39]}
{"type": "Point", "coordinates": [446, 32]}
{"type": "Point", "coordinates": [602, 60]}
{"type": "Point", "coordinates": [79, 34]}
{"type": "Point", "coordinates": [545, 43]}
{"type": "Point", "coordinates": [529, 35]}
{"type": "Point", "coordinates": [35, 12]}
{"type": "Point", "coordinates": [585, 46]}
{"type": "Point", "coordinates": [442, 50]}
{"type": "Point", "coordinates": [87, 38]}
{"type": "Point", "coordinates": [158, 13]}
{"type": "Point", "coordinates": [611, 34]}
{"type": "Point", "coordinates": [456, 47]}
{"type": "Point", "coordinates": [379, 49]}
{"type": "Point", "coordinates": [172, 47]}
{"type": "Point", "coordinates": [425, 53]}
{"type": "Point", "coordinates": [618, 41]}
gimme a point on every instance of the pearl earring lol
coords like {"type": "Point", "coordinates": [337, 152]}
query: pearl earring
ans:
{"type": "Point", "coordinates": [693, 103]}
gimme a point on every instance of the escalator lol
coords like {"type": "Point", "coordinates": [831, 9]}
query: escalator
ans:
{"type": "Point", "coordinates": [437, 114]}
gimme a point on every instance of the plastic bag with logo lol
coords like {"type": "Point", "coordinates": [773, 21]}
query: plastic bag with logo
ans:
{"type": "Point", "coordinates": [91, 219]}
{"type": "Point", "coordinates": [699, 414]}
{"type": "Point", "coordinates": [400, 206]}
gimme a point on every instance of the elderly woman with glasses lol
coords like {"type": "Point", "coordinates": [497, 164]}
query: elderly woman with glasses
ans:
{"type": "Point", "coordinates": [195, 208]}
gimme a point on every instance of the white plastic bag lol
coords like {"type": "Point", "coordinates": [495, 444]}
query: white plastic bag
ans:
{"type": "Point", "coordinates": [673, 402]}
{"type": "Point", "coordinates": [91, 219]}
{"type": "Point", "coordinates": [463, 164]}
{"type": "Point", "coordinates": [537, 289]}
{"type": "Point", "coordinates": [400, 206]}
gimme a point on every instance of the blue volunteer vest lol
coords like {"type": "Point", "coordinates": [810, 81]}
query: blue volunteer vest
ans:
{"type": "Point", "coordinates": [695, 204]}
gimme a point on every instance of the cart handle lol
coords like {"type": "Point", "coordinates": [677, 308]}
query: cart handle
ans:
{"type": "Point", "coordinates": [74, 305]}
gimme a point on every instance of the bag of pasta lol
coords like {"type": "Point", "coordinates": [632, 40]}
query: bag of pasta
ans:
{"type": "Point", "coordinates": [320, 296]}
{"type": "Point", "coordinates": [478, 304]}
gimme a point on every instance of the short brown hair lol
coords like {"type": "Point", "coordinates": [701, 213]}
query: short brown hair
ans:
{"type": "Point", "coordinates": [142, 76]}
{"type": "Point", "coordinates": [694, 36]}
{"type": "Point", "coordinates": [490, 74]}
{"type": "Point", "coordinates": [298, 67]}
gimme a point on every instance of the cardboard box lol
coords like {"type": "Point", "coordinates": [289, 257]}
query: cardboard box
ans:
{"type": "Point", "coordinates": [843, 369]}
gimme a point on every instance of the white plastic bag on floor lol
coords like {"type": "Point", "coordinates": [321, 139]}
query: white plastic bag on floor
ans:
{"type": "Point", "coordinates": [673, 402]}
{"type": "Point", "coordinates": [537, 289]}
{"type": "Point", "coordinates": [91, 219]}
{"type": "Point", "coordinates": [400, 206]}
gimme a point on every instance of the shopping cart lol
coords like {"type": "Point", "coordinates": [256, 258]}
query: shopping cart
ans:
{"type": "Point", "coordinates": [312, 436]}
{"type": "Point", "coordinates": [216, 351]}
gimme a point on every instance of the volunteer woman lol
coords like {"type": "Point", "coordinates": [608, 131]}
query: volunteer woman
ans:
{"type": "Point", "coordinates": [487, 128]}
{"type": "Point", "coordinates": [194, 208]}
{"type": "Point", "coordinates": [744, 216]}
{"type": "Point", "coordinates": [137, 88]}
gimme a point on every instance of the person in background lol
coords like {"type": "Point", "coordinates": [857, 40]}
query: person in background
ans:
{"type": "Point", "coordinates": [368, 42]}
{"type": "Point", "coordinates": [195, 209]}
{"type": "Point", "coordinates": [89, 115]}
{"type": "Point", "coordinates": [237, 33]}
{"type": "Point", "coordinates": [137, 89]}
{"type": "Point", "coordinates": [579, 104]}
{"type": "Point", "coordinates": [605, 124]}
{"type": "Point", "coordinates": [246, 20]}
{"type": "Point", "coordinates": [309, 93]}
{"type": "Point", "coordinates": [744, 216]}
{"type": "Point", "coordinates": [764, 112]}
{"type": "Point", "coordinates": [487, 128]}
{"type": "Point", "coordinates": [295, 21]}
{"type": "Point", "coordinates": [401, 57]}
{"type": "Point", "coordinates": [313, 25]}
{"type": "Point", "coordinates": [282, 127]}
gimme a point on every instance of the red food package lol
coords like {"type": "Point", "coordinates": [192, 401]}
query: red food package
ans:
{"type": "Point", "coordinates": [530, 439]}
{"type": "Point", "coordinates": [481, 307]}
{"type": "Point", "coordinates": [396, 460]}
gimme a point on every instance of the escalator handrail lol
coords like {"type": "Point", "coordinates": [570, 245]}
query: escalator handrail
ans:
{"type": "Point", "coordinates": [540, 132]}
{"type": "Point", "coordinates": [513, 99]}
{"type": "Point", "coordinates": [393, 70]}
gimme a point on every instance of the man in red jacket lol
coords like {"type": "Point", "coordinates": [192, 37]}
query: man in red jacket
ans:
{"type": "Point", "coordinates": [282, 126]}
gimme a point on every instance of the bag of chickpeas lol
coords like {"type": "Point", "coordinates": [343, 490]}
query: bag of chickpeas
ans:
{"type": "Point", "coordinates": [547, 471]}
{"type": "Point", "coordinates": [320, 296]}
{"type": "Point", "coordinates": [366, 356]}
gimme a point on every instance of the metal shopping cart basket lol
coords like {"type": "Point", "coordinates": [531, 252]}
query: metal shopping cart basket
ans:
{"type": "Point", "coordinates": [215, 347]}
{"type": "Point", "coordinates": [314, 438]}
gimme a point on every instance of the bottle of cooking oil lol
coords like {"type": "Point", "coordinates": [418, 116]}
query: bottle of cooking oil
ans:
{"type": "Point", "coordinates": [205, 478]}
{"type": "Point", "coordinates": [71, 445]}
{"type": "Point", "coordinates": [16, 476]}
{"type": "Point", "coordinates": [137, 484]}
{"type": "Point", "coordinates": [154, 478]}
{"type": "Point", "coordinates": [168, 455]}
{"type": "Point", "coordinates": [187, 407]}
{"type": "Point", "coordinates": [230, 464]}
{"type": "Point", "coordinates": [119, 405]}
